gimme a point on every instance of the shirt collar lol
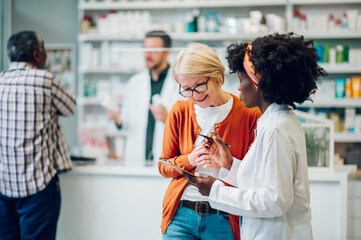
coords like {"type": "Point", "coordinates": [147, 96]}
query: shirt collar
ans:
{"type": "Point", "coordinates": [162, 75]}
{"type": "Point", "coordinates": [274, 107]}
{"type": "Point", "coordinates": [20, 66]}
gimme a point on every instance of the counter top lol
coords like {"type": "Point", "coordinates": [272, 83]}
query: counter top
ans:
{"type": "Point", "coordinates": [356, 174]}
{"type": "Point", "coordinates": [114, 167]}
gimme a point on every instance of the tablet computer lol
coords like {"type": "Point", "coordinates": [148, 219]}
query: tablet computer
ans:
{"type": "Point", "coordinates": [182, 171]}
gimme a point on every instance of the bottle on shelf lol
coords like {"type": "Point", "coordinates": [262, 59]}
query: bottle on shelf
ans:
{"type": "Point", "coordinates": [319, 51]}
{"type": "Point", "coordinates": [105, 54]}
{"type": "Point", "coordinates": [190, 22]}
{"type": "Point", "coordinates": [349, 119]}
{"type": "Point", "coordinates": [338, 24]}
{"type": "Point", "coordinates": [348, 88]}
{"type": "Point", "coordinates": [85, 24]}
{"type": "Point", "coordinates": [322, 113]}
{"type": "Point", "coordinates": [336, 119]}
{"type": "Point", "coordinates": [303, 22]}
{"type": "Point", "coordinates": [296, 20]}
{"type": "Point", "coordinates": [356, 86]}
{"type": "Point", "coordinates": [103, 24]}
{"type": "Point", "coordinates": [339, 53]}
{"type": "Point", "coordinates": [332, 55]}
{"type": "Point", "coordinates": [211, 24]}
{"type": "Point", "coordinates": [195, 14]}
{"type": "Point", "coordinates": [326, 53]}
{"type": "Point", "coordinates": [344, 23]}
{"type": "Point", "coordinates": [113, 22]}
{"type": "Point", "coordinates": [331, 22]}
{"type": "Point", "coordinates": [340, 87]}
{"type": "Point", "coordinates": [352, 18]}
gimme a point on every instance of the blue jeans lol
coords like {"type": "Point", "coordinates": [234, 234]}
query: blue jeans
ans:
{"type": "Point", "coordinates": [34, 217]}
{"type": "Point", "coordinates": [187, 224]}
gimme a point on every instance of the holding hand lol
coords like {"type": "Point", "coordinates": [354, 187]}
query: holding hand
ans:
{"type": "Point", "coordinates": [200, 157]}
{"type": "Point", "coordinates": [114, 114]}
{"type": "Point", "coordinates": [203, 183]}
{"type": "Point", "coordinates": [159, 112]}
{"type": "Point", "coordinates": [219, 151]}
{"type": "Point", "coordinates": [197, 158]}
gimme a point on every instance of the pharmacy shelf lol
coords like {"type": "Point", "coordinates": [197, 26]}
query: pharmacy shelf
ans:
{"type": "Point", "coordinates": [336, 34]}
{"type": "Point", "coordinates": [108, 132]}
{"type": "Point", "coordinates": [341, 68]}
{"type": "Point", "coordinates": [347, 137]}
{"type": "Point", "coordinates": [338, 103]}
{"type": "Point", "coordinates": [118, 37]}
{"type": "Point", "coordinates": [175, 36]}
{"type": "Point", "coordinates": [94, 101]}
{"type": "Point", "coordinates": [177, 4]}
{"type": "Point", "coordinates": [214, 36]}
{"type": "Point", "coordinates": [320, 2]}
{"type": "Point", "coordinates": [107, 70]}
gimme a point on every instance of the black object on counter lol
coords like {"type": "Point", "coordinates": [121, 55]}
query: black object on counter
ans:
{"type": "Point", "coordinates": [81, 159]}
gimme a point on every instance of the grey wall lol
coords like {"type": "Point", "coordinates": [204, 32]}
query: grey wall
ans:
{"type": "Point", "coordinates": [5, 31]}
{"type": "Point", "coordinates": [55, 21]}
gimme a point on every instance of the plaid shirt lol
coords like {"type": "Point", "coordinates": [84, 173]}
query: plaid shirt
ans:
{"type": "Point", "coordinates": [32, 143]}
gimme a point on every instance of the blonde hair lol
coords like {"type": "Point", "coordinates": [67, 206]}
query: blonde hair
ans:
{"type": "Point", "coordinates": [199, 60]}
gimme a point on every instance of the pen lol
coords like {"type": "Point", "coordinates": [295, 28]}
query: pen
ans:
{"type": "Point", "coordinates": [210, 139]}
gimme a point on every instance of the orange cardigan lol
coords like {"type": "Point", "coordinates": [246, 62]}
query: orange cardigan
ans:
{"type": "Point", "coordinates": [181, 131]}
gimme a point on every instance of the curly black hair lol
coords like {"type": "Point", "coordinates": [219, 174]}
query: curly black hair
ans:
{"type": "Point", "coordinates": [287, 65]}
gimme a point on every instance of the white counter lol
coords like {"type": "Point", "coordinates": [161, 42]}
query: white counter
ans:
{"type": "Point", "coordinates": [116, 202]}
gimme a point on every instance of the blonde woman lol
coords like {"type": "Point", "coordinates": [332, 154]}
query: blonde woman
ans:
{"type": "Point", "coordinates": [206, 108]}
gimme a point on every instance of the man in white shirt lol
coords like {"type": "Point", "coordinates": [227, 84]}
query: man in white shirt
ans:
{"type": "Point", "coordinates": [148, 98]}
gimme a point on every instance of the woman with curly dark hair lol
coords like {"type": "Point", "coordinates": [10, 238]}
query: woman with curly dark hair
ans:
{"type": "Point", "coordinates": [275, 72]}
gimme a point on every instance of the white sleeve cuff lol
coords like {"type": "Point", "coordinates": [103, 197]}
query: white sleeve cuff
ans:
{"type": "Point", "coordinates": [230, 176]}
{"type": "Point", "coordinates": [214, 191]}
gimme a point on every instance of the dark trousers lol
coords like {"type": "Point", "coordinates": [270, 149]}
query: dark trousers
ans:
{"type": "Point", "coordinates": [33, 217]}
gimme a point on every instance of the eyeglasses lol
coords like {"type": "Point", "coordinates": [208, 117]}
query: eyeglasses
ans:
{"type": "Point", "coordinates": [199, 89]}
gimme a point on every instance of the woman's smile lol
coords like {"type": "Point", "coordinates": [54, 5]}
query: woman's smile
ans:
{"type": "Point", "coordinates": [202, 100]}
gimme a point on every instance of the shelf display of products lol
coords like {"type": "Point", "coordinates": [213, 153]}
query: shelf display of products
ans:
{"type": "Point", "coordinates": [111, 33]}
{"type": "Point", "coordinates": [138, 22]}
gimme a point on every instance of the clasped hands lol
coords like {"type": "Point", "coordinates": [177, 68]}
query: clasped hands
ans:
{"type": "Point", "coordinates": [213, 153]}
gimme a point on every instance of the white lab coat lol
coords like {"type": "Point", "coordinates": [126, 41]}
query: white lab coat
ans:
{"type": "Point", "coordinates": [272, 191]}
{"type": "Point", "coordinates": [134, 114]}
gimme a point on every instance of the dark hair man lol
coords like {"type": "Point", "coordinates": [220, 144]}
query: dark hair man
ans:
{"type": "Point", "coordinates": [148, 98]}
{"type": "Point", "coordinates": [32, 145]}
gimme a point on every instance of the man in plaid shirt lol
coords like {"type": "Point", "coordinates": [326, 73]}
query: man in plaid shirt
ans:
{"type": "Point", "coordinates": [32, 145]}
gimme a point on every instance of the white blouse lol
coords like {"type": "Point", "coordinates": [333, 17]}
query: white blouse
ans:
{"type": "Point", "coordinates": [272, 191]}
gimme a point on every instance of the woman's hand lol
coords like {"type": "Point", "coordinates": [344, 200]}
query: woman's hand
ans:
{"type": "Point", "coordinates": [219, 151]}
{"type": "Point", "coordinates": [196, 154]}
{"type": "Point", "coordinates": [207, 161]}
{"type": "Point", "coordinates": [200, 157]}
{"type": "Point", "coordinates": [203, 183]}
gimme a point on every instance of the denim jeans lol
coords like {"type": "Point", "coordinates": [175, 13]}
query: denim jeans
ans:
{"type": "Point", "coordinates": [187, 224]}
{"type": "Point", "coordinates": [34, 217]}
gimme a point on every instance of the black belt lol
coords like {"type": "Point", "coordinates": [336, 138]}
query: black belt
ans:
{"type": "Point", "coordinates": [202, 208]}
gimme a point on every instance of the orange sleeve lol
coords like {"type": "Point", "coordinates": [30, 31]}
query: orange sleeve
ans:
{"type": "Point", "coordinates": [171, 147]}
